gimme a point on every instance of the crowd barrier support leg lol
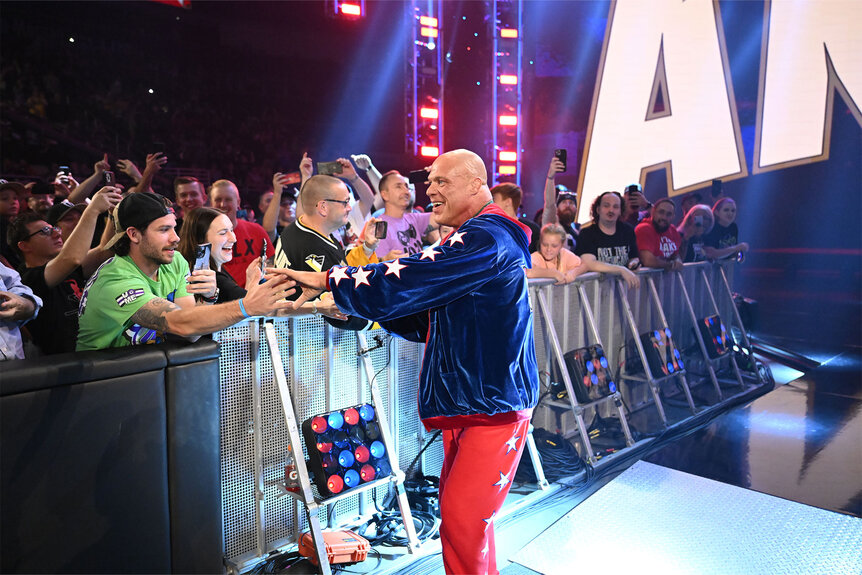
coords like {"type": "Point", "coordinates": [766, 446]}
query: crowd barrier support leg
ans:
{"type": "Point", "coordinates": [697, 335]}
{"type": "Point", "coordinates": [718, 313]}
{"type": "Point", "coordinates": [587, 310]}
{"type": "Point", "coordinates": [737, 318]}
{"type": "Point", "coordinates": [558, 355]}
{"type": "Point", "coordinates": [385, 433]}
{"type": "Point", "coordinates": [660, 309]}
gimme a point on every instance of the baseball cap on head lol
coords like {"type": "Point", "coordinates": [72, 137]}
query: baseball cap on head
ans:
{"type": "Point", "coordinates": [19, 189]}
{"type": "Point", "coordinates": [59, 211]}
{"type": "Point", "coordinates": [137, 210]}
{"type": "Point", "coordinates": [564, 193]}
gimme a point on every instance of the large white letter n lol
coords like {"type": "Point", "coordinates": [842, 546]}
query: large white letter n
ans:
{"type": "Point", "coordinates": [673, 52]}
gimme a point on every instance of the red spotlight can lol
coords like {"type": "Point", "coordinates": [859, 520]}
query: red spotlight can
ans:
{"type": "Point", "coordinates": [318, 424]}
{"type": "Point", "coordinates": [366, 472]}
{"type": "Point", "coordinates": [362, 454]}
{"type": "Point", "coordinates": [335, 484]}
{"type": "Point", "coordinates": [351, 416]}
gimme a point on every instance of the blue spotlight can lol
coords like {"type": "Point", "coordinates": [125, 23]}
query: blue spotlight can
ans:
{"type": "Point", "coordinates": [346, 459]}
{"type": "Point", "coordinates": [366, 412]}
{"type": "Point", "coordinates": [351, 478]}
{"type": "Point", "coordinates": [335, 420]}
{"type": "Point", "coordinates": [377, 449]}
{"type": "Point", "coordinates": [382, 468]}
{"type": "Point", "coordinates": [341, 440]}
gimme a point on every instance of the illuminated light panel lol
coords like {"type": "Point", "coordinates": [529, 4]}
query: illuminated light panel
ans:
{"type": "Point", "coordinates": [508, 156]}
{"type": "Point", "coordinates": [428, 21]}
{"type": "Point", "coordinates": [431, 113]}
{"type": "Point", "coordinates": [508, 170]}
{"type": "Point", "coordinates": [428, 32]}
{"type": "Point", "coordinates": [509, 79]}
{"type": "Point", "coordinates": [351, 9]}
{"type": "Point", "coordinates": [508, 120]}
{"type": "Point", "coordinates": [429, 151]}
{"type": "Point", "coordinates": [509, 33]}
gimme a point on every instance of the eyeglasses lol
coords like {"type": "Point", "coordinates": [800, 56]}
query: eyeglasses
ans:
{"type": "Point", "coordinates": [46, 231]}
{"type": "Point", "coordinates": [344, 203]}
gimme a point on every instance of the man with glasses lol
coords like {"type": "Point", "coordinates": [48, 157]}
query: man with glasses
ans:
{"type": "Point", "coordinates": [56, 270]}
{"type": "Point", "coordinates": [468, 300]}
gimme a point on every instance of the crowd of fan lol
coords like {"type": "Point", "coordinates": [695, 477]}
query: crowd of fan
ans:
{"type": "Point", "coordinates": [94, 264]}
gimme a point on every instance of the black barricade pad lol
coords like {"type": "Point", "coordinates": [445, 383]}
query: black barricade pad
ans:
{"type": "Point", "coordinates": [93, 477]}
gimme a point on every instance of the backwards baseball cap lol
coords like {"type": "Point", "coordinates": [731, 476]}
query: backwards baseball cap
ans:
{"type": "Point", "coordinates": [137, 210]}
{"type": "Point", "coordinates": [59, 211]}
{"type": "Point", "coordinates": [564, 193]}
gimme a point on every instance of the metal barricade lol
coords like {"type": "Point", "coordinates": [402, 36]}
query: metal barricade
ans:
{"type": "Point", "coordinates": [325, 372]}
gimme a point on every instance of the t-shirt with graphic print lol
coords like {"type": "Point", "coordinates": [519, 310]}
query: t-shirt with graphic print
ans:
{"type": "Point", "coordinates": [403, 233]}
{"type": "Point", "coordinates": [662, 245]}
{"type": "Point", "coordinates": [115, 292]}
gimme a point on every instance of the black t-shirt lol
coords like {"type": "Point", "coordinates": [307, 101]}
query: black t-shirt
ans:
{"type": "Point", "coordinates": [694, 250]}
{"type": "Point", "coordinates": [616, 249]}
{"type": "Point", "coordinates": [572, 234]}
{"type": "Point", "coordinates": [720, 237]}
{"type": "Point", "coordinates": [534, 237]}
{"type": "Point", "coordinates": [228, 289]}
{"type": "Point", "coordinates": [301, 248]}
{"type": "Point", "coordinates": [55, 329]}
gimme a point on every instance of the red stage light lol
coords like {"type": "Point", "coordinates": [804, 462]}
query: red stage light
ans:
{"type": "Point", "coordinates": [351, 416]}
{"type": "Point", "coordinates": [318, 424]}
{"type": "Point", "coordinates": [428, 32]}
{"type": "Point", "coordinates": [351, 9]}
{"type": "Point", "coordinates": [335, 483]}
{"type": "Point", "coordinates": [507, 170]}
{"type": "Point", "coordinates": [362, 454]}
{"type": "Point", "coordinates": [366, 472]}
{"type": "Point", "coordinates": [431, 113]}
{"type": "Point", "coordinates": [429, 151]}
{"type": "Point", "coordinates": [509, 33]}
{"type": "Point", "coordinates": [508, 120]}
{"type": "Point", "coordinates": [428, 21]}
{"type": "Point", "coordinates": [508, 79]}
{"type": "Point", "coordinates": [508, 156]}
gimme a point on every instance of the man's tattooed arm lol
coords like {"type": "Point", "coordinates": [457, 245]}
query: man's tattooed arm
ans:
{"type": "Point", "coordinates": [152, 314]}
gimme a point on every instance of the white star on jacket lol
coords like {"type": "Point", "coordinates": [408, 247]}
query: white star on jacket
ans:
{"type": "Point", "coordinates": [456, 237]}
{"type": "Point", "coordinates": [394, 268]}
{"type": "Point", "coordinates": [338, 274]}
{"type": "Point", "coordinates": [429, 253]}
{"type": "Point", "coordinates": [360, 276]}
{"type": "Point", "coordinates": [503, 481]}
{"type": "Point", "coordinates": [511, 445]}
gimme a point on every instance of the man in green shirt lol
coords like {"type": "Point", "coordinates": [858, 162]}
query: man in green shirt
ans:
{"type": "Point", "coordinates": [144, 291]}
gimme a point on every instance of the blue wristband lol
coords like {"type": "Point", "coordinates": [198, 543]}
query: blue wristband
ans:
{"type": "Point", "coordinates": [242, 308]}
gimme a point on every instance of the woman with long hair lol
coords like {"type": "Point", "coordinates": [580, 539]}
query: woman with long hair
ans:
{"type": "Point", "coordinates": [723, 240]}
{"type": "Point", "coordinates": [208, 226]}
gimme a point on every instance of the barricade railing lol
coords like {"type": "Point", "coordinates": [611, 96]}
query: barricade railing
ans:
{"type": "Point", "coordinates": [325, 371]}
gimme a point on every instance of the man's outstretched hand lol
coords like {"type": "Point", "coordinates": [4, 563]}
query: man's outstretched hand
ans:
{"type": "Point", "coordinates": [312, 283]}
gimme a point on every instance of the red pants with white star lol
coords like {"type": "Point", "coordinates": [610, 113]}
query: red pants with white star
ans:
{"type": "Point", "coordinates": [478, 467]}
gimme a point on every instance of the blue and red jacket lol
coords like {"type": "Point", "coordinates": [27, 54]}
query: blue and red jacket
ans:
{"type": "Point", "coordinates": [467, 299]}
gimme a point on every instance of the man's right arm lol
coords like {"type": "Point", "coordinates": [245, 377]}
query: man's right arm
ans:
{"type": "Point", "coordinates": [261, 300]}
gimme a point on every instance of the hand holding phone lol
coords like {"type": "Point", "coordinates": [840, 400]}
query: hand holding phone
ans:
{"type": "Point", "coordinates": [418, 176]}
{"type": "Point", "coordinates": [108, 178]}
{"type": "Point", "coordinates": [562, 155]}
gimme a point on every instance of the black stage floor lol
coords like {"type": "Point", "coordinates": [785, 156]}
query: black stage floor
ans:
{"type": "Point", "coordinates": [800, 442]}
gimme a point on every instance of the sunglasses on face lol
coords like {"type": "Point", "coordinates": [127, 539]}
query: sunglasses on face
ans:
{"type": "Point", "coordinates": [46, 231]}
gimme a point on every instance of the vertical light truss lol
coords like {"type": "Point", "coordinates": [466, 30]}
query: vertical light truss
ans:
{"type": "Point", "coordinates": [424, 87]}
{"type": "Point", "coordinates": [506, 92]}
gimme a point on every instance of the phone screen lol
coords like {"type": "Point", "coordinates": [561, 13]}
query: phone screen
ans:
{"type": "Point", "coordinates": [202, 257]}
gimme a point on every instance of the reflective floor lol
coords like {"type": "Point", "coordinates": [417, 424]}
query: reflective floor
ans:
{"type": "Point", "coordinates": [802, 441]}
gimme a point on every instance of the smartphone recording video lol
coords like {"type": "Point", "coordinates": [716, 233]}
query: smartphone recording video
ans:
{"type": "Point", "coordinates": [561, 154]}
{"type": "Point", "coordinates": [329, 168]}
{"type": "Point", "coordinates": [381, 229]}
{"type": "Point", "coordinates": [418, 177]}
